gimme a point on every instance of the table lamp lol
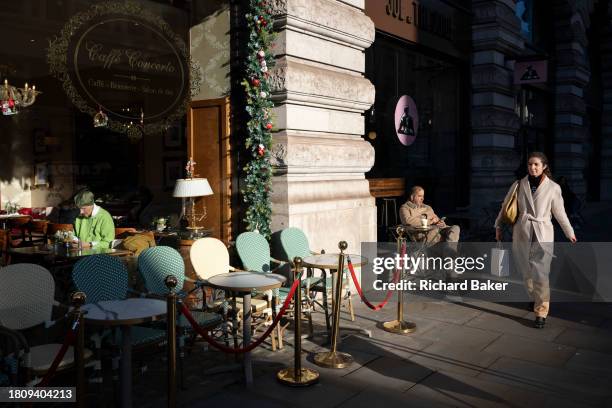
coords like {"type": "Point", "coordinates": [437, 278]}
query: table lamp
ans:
{"type": "Point", "coordinates": [192, 188]}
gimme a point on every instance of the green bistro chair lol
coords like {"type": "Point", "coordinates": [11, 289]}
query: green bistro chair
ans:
{"type": "Point", "coordinates": [254, 252]}
{"type": "Point", "coordinates": [294, 243]}
{"type": "Point", "coordinates": [155, 264]}
{"type": "Point", "coordinates": [105, 277]}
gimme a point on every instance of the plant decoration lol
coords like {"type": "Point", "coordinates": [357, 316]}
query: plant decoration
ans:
{"type": "Point", "coordinates": [11, 208]}
{"type": "Point", "coordinates": [64, 236]}
{"type": "Point", "coordinates": [258, 170]}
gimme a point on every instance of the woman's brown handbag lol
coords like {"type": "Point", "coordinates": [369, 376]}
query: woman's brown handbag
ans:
{"type": "Point", "coordinates": [510, 207]}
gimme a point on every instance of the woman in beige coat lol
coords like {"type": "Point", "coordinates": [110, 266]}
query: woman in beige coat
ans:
{"type": "Point", "coordinates": [539, 197]}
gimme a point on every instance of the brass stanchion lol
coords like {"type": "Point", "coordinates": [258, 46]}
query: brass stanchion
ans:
{"type": "Point", "coordinates": [334, 358]}
{"type": "Point", "coordinates": [297, 376]}
{"type": "Point", "coordinates": [78, 299]}
{"type": "Point", "coordinates": [171, 283]}
{"type": "Point", "coordinates": [399, 326]}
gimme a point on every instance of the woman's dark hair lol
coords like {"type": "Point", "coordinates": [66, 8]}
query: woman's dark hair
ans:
{"type": "Point", "coordinates": [544, 160]}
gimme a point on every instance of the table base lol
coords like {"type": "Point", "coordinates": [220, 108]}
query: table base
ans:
{"type": "Point", "coordinates": [288, 377]}
{"type": "Point", "coordinates": [397, 327]}
{"type": "Point", "coordinates": [333, 359]}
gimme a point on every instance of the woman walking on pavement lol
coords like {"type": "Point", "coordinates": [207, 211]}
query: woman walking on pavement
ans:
{"type": "Point", "coordinates": [538, 197]}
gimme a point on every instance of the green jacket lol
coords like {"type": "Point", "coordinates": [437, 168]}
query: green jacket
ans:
{"type": "Point", "coordinates": [99, 229]}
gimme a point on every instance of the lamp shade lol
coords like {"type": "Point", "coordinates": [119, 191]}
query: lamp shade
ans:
{"type": "Point", "coordinates": [195, 187]}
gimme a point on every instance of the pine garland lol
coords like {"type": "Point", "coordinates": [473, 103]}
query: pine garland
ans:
{"type": "Point", "coordinates": [258, 182]}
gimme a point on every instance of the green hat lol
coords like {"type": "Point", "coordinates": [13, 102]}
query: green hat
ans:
{"type": "Point", "coordinates": [84, 198]}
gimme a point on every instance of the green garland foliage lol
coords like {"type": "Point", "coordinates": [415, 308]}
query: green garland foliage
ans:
{"type": "Point", "coordinates": [258, 170]}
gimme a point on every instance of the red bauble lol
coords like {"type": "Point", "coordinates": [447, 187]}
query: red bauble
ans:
{"type": "Point", "coordinates": [268, 126]}
{"type": "Point", "coordinates": [264, 23]}
{"type": "Point", "coordinates": [255, 82]}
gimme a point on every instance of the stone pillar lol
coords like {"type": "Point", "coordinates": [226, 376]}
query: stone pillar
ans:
{"type": "Point", "coordinates": [572, 74]}
{"type": "Point", "coordinates": [606, 131]}
{"type": "Point", "coordinates": [496, 38]}
{"type": "Point", "coordinates": [320, 94]}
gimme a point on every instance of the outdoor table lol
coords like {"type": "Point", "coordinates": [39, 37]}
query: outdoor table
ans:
{"type": "Point", "coordinates": [244, 283]}
{"type": "Point", "coordinates": [125, 313]}
{"type": "Point", "coordinates": [330, 261]}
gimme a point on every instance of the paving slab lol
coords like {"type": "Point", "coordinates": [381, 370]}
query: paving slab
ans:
{"type": "Point", "coordinates": [376, 398]}
{"type": "Point", "coordinates": [461, 359]}
{"type": "Point", "coordinates": [597, 340]}
{"type": "Point", "coordinates": [330, 391]}
{"type": "Point", "coordinates": [517, 326]}
{"type": "Point", "coordinates": [555, 355]}
{"type": "Point", "coordinates": [516, 309]}
{"type": "Point", "coordinates": [551, 380]}
{"type": "Point", "coordinates": [442, 311]}
{"type": "Point", "coordinates": [385, 345]}
{"type": "Point", "coordinates": [591, 362]}
{"type": "Point", "coordinates": [389, 374]}
{"type": "Point", "coordinates": [459, 390]}
{"type": "Point", "coordinates": [458, 334]}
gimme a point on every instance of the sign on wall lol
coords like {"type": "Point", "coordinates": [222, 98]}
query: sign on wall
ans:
{"type": "Point", "coordinates": [531, 72]}
{"type": "Point", "coordinates": [122, 59]}
{"type": "Point", "coordinates": [406, 120]}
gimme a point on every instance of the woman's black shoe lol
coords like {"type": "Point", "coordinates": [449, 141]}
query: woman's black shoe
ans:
{"type": "Point", "coordinates": [539, 322]}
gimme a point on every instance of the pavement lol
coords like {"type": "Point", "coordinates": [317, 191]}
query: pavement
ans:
{"type": "Point", "coordinates": [463, 354]}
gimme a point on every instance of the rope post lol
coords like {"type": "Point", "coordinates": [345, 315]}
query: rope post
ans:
{"type": "Point", "coordinates": [78, 299]}
{"type": "Point", "coordinates": [297, 376]}
{"type": "Point", "coordinates": [399, 326]}
{"type": "Point", "coordinates": [171, 283]}
{"type": "Point", "coordinates": [334, 358]}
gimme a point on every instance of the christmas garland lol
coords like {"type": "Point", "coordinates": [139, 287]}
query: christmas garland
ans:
{"type": "Point", "coordinates": [258, 170]}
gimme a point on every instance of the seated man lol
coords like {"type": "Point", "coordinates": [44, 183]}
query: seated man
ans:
{"type": "Point", "coordinates": [94, 226]}
{"type": "Point", "coordinates": [413, 210]}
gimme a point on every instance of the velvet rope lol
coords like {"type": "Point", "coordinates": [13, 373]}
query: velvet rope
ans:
{"type": "Point", "coordinates": [358, 287]}
{"type": "Point", "coordinates": [68, 340]}
{"type": "Point", "coordinates": [185, 311]}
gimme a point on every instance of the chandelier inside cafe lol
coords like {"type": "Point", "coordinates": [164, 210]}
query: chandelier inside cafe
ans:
{"type": "Point", "coordinates": [12, 99]}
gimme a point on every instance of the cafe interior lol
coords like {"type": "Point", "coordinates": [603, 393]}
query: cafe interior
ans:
{"type": "Point", "coordinates": [125, 103]}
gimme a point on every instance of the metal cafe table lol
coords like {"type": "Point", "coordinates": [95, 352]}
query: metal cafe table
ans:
{"type": "Point", "coordinates": [335, 359]}
{"type": "Point", "coordinates": [244, 283]}
{"type": "Point", "coordinates": [60, 253]}
{"type": "Point", "coordinates": [125, 313]}
{"type": "Point", "coordinates": [330, 261]}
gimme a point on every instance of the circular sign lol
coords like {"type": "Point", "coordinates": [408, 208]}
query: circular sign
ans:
{"type": "Point", "coordinates": [123, 60]}
{"type": "Point", "coordinates": [406, 120]}
{"type": "Point", "coordinates": [116, 77]}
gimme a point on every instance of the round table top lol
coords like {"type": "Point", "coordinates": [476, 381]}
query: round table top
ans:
{"type": "Point", "coordinates": [124, 312]}
{"type": "Point", "coordinates": [330, 261]}
{"type": "Point", "coordinates": [247, 281]}
{"type": "Point", "coordinates": [410, 228]}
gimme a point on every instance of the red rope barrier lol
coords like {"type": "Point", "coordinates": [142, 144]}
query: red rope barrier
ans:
{"type": "Point", "coordinates": [358, 287]}
{"type": "Point", "coordinates": [251, 346]}
{"type": "Point", "coordinates": [70, 336]}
